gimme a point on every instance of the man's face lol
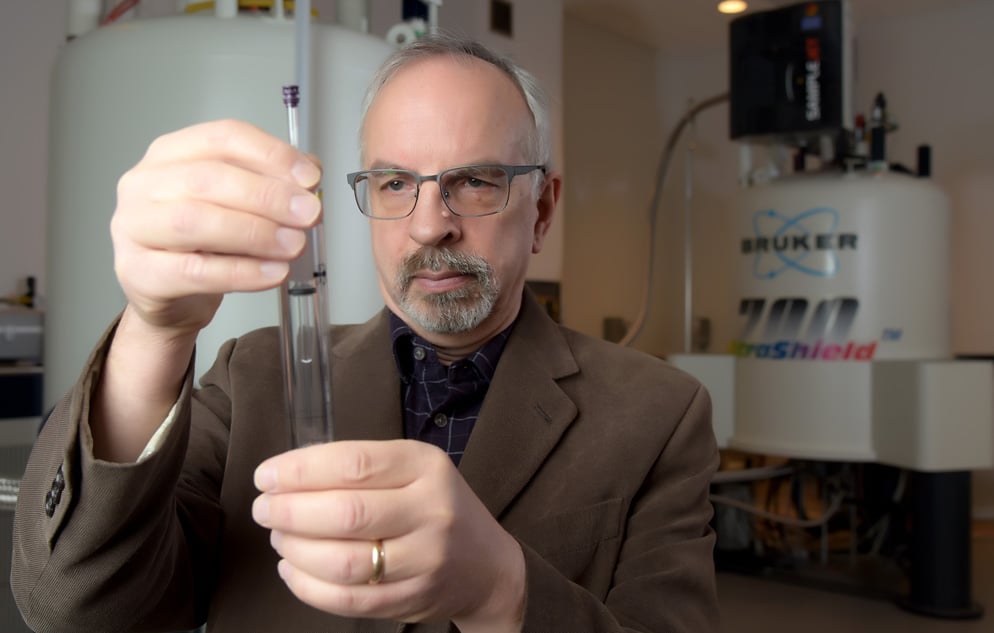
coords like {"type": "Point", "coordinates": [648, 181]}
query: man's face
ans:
{"type": "Point", "coordinates": [455, 279]}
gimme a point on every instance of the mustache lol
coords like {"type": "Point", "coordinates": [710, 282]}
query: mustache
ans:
{"type": "Point", "coordinates": [439, 259]}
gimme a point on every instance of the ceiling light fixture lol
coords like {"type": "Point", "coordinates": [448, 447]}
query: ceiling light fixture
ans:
{"type": "Point", "coordinates": [732, 6]}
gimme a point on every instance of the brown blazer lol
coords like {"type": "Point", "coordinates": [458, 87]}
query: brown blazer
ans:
{"type": "Point", "coordinates": [595, 457]}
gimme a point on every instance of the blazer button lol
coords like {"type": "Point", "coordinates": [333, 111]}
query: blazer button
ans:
{"type": "Point", "coordinates": [54, 494]}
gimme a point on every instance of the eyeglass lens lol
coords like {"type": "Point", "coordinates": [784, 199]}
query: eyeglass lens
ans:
{"type": "Point", "coordinates": [467, 191]}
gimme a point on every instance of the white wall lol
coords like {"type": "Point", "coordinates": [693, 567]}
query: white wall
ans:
{"type": "Point", "coordinates": [709, 160]}
{"type": "Point", "coordinates": [613, 133]}
{"type": "Point", "coordinates": [623, 101]}
{"type": "Point", "coordinates": [32, 34]}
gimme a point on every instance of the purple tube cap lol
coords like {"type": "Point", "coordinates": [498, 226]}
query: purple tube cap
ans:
{"type": "Point", "coordinates": [291, 96]}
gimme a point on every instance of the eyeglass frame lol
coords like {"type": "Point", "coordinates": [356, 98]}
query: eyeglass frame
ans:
{"type": "Point", "coordinates": [510, 170]}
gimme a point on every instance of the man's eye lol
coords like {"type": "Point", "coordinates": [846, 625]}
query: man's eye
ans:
{"type": "Point", "coordinates": [394, 183]}
{"type": "Point", "coordinates": [475, 181]}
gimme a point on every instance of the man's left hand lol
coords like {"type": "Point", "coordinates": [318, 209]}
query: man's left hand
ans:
{"type": "Point", "coordinates": [329, 506]}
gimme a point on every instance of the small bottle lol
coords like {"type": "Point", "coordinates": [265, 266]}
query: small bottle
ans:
{"type": "Point", "coordinates": [878, 133]}
{"type": "Point", "coordinates": [860, 149]}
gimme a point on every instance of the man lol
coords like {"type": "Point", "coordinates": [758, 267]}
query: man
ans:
{"type": "Point", "coordinates": [496, 472]}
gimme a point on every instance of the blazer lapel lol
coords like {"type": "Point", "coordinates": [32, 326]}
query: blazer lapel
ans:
{"type": "Point", "coordinates": [523, 416]}
{"type": "Point", "coordinates": [525, 411]}
{"type": "Point", "coordinates": [365, 386]}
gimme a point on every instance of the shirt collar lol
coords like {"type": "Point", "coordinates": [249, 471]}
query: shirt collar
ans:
{"type": "Point", "coordinates": [404, 340]}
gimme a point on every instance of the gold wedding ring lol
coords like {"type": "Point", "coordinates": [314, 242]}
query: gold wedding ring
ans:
{"type": "Point", "coordinates": [379, 562]}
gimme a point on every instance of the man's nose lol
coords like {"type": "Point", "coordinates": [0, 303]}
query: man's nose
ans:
{"type": "Point", "coordinates": [431, 222]}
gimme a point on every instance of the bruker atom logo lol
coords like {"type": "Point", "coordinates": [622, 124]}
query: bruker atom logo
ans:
{"type": "Point", "coordinates": [806, 243]}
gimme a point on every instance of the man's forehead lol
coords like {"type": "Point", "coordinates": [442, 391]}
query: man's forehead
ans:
{"type": "Point", "coordinates": [441, 72]}
{"type": "Point", "coordinates": [443, 100]}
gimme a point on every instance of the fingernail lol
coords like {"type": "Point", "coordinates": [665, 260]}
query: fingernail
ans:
{"type": "Point", "coordinates": [283, 569]}
{"type": "Point", "coordinates": [274, 270]}
{"type": "Point", "coordinates": [260, 510]}
{"type": "Point", "coordinates": [291, 240]}
{"type": "Point", "coordinates": [305, 208]}
{"type": "Point", "coordinates": [305, 173]}
{"type": "Point", "coordinates": [265, 478]}
{"type": "Point", "coordinates": [275, 537]}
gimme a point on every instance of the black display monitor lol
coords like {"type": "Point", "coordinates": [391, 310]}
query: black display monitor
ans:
{"type": "Point", "coordinates": [787, 71]}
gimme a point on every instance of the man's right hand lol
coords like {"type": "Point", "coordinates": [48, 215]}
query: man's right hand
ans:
{"type": "Point", "coordinates": [214, 208]}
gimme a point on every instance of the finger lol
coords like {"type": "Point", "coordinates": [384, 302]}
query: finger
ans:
{"type": "Point", "coordinates": [192, 226]}
{"type": "Point", "coordinates": [351, 464]}
{"type": "Point", "coordinates": [345, 514]}
{"type": "Point", "coordinates": [347, 561]}
{"type": "Point", "coordinates": [164, 275]}
{"type": "Point", "coordinates": [316, 160]}
{"type": "Point", "coordinates": [221, 184]}
{"type": "Point", "coordinates": [403, 600]}
{"type": "Point", "coordinates": [238, 142]}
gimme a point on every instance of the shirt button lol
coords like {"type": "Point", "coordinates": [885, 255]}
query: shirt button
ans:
{"type": "Point", "coordinates": [419, 353]}
{"type": "Point", "coordinates": [441, 420]}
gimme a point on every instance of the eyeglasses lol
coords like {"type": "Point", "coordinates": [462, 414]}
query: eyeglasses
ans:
{"type": "Point", "coordinates": [468, 191]}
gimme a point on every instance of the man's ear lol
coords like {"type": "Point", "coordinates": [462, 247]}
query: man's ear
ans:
{"type": "Point", "coordinates": [548, 198]}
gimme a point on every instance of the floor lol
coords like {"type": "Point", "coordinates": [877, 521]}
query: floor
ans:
{"type": "Point", "coordinates": [759, 605]}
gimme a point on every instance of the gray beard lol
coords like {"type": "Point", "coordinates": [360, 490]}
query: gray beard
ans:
{"type": "Point", "coordinates": [455, 311]}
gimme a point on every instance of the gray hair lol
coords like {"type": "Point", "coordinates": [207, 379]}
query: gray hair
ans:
{"type": "Point", "coordinates": [538, 145]}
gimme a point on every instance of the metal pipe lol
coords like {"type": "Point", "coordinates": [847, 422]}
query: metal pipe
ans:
{"type": "Point", "coordinates": [663, 168]}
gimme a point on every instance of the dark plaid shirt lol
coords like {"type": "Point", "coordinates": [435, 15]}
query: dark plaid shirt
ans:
{"type": "Point", "coordinates": [441, 403]}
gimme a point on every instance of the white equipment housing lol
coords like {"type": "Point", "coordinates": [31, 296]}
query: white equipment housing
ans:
{"type": "Point", "coordinates": [843, 351]}
{"type": "Point", "coordinates": [118, 87]}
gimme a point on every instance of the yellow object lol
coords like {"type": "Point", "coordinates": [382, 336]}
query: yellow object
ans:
{"type": "Point", "coordinates": [732, 6]}
{"type": "Point", "coordinates": [197, 7]}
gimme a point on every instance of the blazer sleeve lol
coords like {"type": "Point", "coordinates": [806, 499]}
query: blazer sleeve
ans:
{"type": "Point", "coordinates": [664, 579]}
{"type": "Point", "coordinates": [91, 536]}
